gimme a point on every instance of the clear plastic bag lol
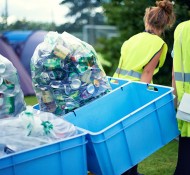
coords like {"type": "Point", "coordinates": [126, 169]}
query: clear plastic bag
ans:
{"type": "Point", "coordinates": [66, 73]}
{"type": "Point", "coordinates": [11, 95]}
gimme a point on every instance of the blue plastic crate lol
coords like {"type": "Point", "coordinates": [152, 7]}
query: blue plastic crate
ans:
{"type": "Point", "coordinates": [126, 126]}
{"type": "Point", "coordinates": [66, 157]}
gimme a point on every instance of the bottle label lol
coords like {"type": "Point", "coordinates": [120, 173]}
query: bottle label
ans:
{"type": "Point", "coordinates": [10, 103]}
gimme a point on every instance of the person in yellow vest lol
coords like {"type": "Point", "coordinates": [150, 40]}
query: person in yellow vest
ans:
{"type": "Point", "coordinates": [144, 54]}
{"type": "Point", "coordinates": [181, 84]}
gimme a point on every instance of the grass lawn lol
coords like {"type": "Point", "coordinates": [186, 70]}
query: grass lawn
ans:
{"type": "Point", "coordinates": [30, 100]}
{"type": "Point", "coordinates": [162, 162]}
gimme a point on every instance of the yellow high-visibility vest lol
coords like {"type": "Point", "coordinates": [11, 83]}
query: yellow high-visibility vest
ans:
{"type": "Point", "coordinates": [182, 37]}
{"type": "Point", "coordinates": [181, 64]}
{"type": "Point", "coordinates": [136, 52]}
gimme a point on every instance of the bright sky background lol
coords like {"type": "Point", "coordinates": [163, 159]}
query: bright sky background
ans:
{"type": "Point", "coordinates": [35, 10]}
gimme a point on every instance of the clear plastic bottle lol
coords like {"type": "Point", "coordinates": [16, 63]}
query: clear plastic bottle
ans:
{"type": "Point", "coordinates": [11, 95]}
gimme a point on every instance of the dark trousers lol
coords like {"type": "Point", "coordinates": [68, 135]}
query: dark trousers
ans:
{"type": "Point", "coordinates": [132, 171]}
{"type": "Point", "coordinates": [183, 162]}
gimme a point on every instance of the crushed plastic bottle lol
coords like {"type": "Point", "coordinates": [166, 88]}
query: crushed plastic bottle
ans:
{"type": "Point", "coordinates": [66, 73]}
{"type": "Point", "coordinates": [11, 95]}
{"type": "Point", "coordinates": [46, 125]}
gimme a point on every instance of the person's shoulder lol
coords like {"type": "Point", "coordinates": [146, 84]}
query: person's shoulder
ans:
{"type": "Point", "coordinates": [182, 24]}
{"type": "Point", "coordinates": [155, 38]}
{"type": "Point", "coordinates": [131, 38]}
{"type": "Point", "coordinates": [137, 36]}
{"type": "Point", "coordinates": [146, 36]}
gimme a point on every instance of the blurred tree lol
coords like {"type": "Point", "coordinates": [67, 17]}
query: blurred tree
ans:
{"type": "Point", "coordinates": [82, 12]}
{"type": "Point", "coordinates": [28, 25]}
{"type": "Point", "coordinates": [185, 2]}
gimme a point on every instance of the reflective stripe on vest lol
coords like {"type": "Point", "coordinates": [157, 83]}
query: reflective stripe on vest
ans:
{"type": "Point", "coordinates": [182, 77]}
{"type": "Point", "coordinates": [129, 73]}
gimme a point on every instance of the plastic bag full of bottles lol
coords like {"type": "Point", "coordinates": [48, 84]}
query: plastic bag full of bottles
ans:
{"type": "Point", "coordinates": [66, 73]}
{"type": "Point", "coordinates": [11, 95]}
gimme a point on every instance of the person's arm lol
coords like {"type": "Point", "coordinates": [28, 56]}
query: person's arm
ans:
{"type": "Point", "coordinates": [149, 68]}
{"type": "Point", "coordinates": [174, 86]}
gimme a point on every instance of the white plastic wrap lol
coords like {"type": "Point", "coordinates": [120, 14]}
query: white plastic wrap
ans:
{"type": "Point", "coordinates": [38, 123]}
{"type": "Point", "coordinates": [31, 129]}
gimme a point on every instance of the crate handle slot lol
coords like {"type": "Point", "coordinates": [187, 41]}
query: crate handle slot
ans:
{"type": "Point", "coordinates": [152, 88]}
{"type": "Point", "coordinates": [113, 81]}
{"type": "Point", "coordinates": [74, 113]}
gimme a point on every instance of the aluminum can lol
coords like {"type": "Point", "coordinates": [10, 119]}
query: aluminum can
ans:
{"type": "Point", "coordinates": [75, 84]}
{"type": "Point", "coordinates": [48, 100]}
{"type": "Point", "coordinates": [88, 92]}
{"type": "Point", "coordinates": [44, 78]}
{"type": "Point", "coordinates": [52, 64]}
